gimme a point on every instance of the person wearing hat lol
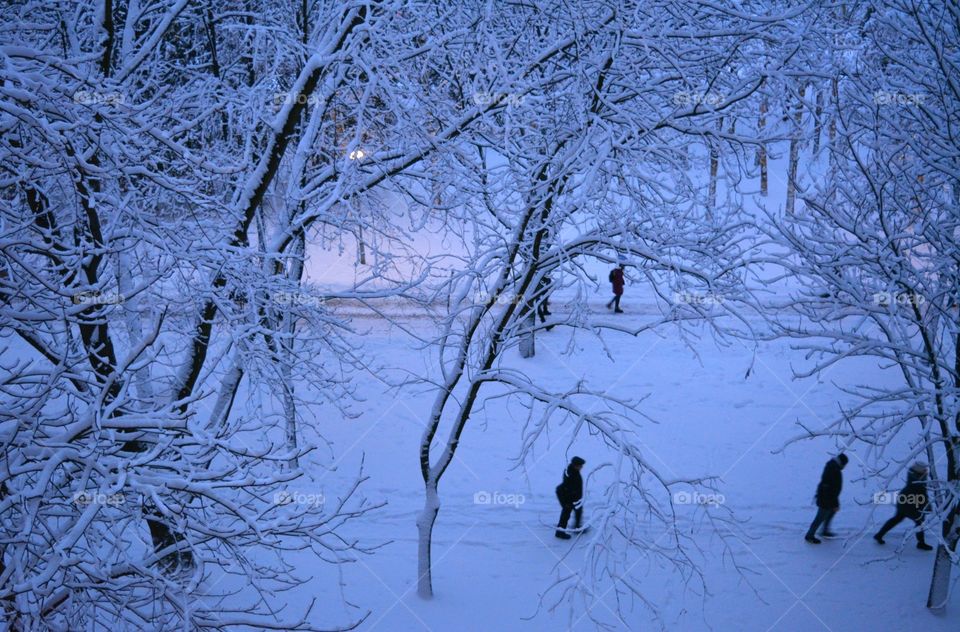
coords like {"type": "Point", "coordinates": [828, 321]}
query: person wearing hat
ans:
{"type": "Point", "coordinates": [570, 495]}
{"type": "Point", "coordinates": [911, 502]}
{"type": "Point", "coordinates": [616, 280]}
{"type": "Point", "coordinates": [828, 497]}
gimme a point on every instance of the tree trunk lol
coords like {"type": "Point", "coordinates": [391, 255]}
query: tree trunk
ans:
{"type": "Point", "coordinates": [133, 321]}
{"type": "Point", "coordinates": [835, 94]}
{"type": "Point", "coordinates": [818, 121]}
{"type": "Point", "coordinates": [360, 249]}
{"type": "Point", "coordinates": [762, 149]}
{"type": "Point", "coordinates": [528, 347]}
{"type": "Point", "coordinates": [714, 167]}
{"type": "Point", "coordinates": [289, 411]}
{"type": "Point", "coordinates": [943, 565]}
{"type": "Point", "coordinates": [940, 582]}
{"type": "Point", "coordinates": [425, 522]}
{"type": "Point", "coordinates": [834, 110]}
{"type": "Point", "coordinates": [794, 154]}
{"type": "Point", "coordinates": [289, 324]}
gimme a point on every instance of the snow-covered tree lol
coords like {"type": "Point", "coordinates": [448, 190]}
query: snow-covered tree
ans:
{"type": "Point", "coordinates": [584, 160]}
{"type": "Point", "coordinates": [874, 250]}
{"type": "Point", "coordinates": [163, 163]}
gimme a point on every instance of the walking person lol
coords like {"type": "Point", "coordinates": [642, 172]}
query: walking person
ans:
{"type": "Point", "coordinates": [911, 503]}
{"type": "Point", "coordinates": [544, 287]}
{"type": "Point", "coordinates": [828, 498]}
{"type": "Point", "coordinates": [570, 495]}
{"type": "Point", "coordinates": [616, 280]}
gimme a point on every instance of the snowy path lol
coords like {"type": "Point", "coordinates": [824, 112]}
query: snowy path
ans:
{"type": "Point", "coordinates": [493, 562]}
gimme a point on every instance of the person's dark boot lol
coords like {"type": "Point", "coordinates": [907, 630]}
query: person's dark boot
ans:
{"type": "Point", "coordinates": [618, 311]}
{"type": "Point", "coordinates": [812, 539]}
{"type": "Point", "coordinates": [879, 538]}
{"type": "Point", "coordinates": [562, 535]}
{"type": "Point", "coordinates": [829, 534]}
{"type": "Point", "coordinates": [922, 543]}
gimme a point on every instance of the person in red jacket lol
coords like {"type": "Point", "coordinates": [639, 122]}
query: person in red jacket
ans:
{"type": "Point", "coordinates": [616, 280]}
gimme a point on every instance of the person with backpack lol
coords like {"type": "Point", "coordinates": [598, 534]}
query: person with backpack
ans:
{"type": "Point", "coordinates": [616, 280]}
{"type": "Point", "coordinates": [570, 495]}
{"type": "Point", "coordinates": [911, 503]}
{"type": "Point", "coordinates": [828, 498]}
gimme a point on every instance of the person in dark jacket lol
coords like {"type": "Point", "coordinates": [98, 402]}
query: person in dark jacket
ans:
{"type": "Point", "coordinates": [911, 503]}
{"type": "Point", "coordinates": [616, 280]}
{"type": "Point", "coordinates": [544, 287]}
{"type": "Point", "coordinates": [828, 497]}
{"type": "Point", "coordinates": [570, 495]}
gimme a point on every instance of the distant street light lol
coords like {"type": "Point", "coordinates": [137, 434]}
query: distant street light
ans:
{"type": "Point", "coordinates": [357, 154]}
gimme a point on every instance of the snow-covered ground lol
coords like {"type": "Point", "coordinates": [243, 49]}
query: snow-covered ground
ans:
{"type": "Point", "coordinates": [494, 561]}
{"type": "Point", "coordinates": [169, 162]}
